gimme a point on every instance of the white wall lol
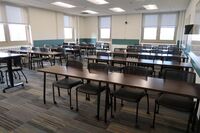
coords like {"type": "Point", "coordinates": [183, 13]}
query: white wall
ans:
{"type": "Point", "coordinates": [131, 30]}
{"type": "Point", "coordinates": [88, 27]}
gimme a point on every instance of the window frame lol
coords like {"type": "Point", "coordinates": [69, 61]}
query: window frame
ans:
{"type": "Point", "coordinates": [99, 28]}
{"type": "Point", "coordinates": [3, 32]}
{"type": "Point", "coordinates": [158, 40]}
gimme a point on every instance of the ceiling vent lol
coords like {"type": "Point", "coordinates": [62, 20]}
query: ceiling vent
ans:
{"type": "Point", "coordinates": [140, 9]}
{"type": "Point", "coordinates": [85, 13]}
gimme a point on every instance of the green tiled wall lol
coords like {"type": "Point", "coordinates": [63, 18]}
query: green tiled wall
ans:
{"type": "Point", "coordinates": [125, 41]}
{"type": "Point", "coordinates": [88, 40]}
{"type": "Point", "coordinates": [40, 43]}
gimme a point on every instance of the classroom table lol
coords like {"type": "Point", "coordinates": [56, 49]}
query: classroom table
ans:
{"type": "Point", "coordinates": [152, 55]}
{"type": "Point", "coordinates": [30, 53]}
{"type": "Point", "coordinates": [8, 57]}
{"type": "Point", "coordinates": [149, 83]}
{"type": "Point", "coordinates": [110, 59]}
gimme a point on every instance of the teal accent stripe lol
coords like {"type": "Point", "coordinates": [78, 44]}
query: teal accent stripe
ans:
{"type": "Point", "coordinates": [125, 41]}
{"type": "Point", "coordinates": [88, 40]}
{"type": "Point", "coordinates": [40, 43]}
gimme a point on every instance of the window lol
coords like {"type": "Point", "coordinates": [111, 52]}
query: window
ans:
{"type": "Point", "coordinates": [150, 27]}
{"type": "Point", "coordinates": [2, 33]}
{"type": "Point", "coordinates": [68, 30]}
{"type": "Point", "coordinates": [159, 27]}
{"type": "Point", "coordinates": [104, 27]}
{"type": "Point", "coordinates": [16, 22]}
{"type": "Point", "coordinates": [17, 32]}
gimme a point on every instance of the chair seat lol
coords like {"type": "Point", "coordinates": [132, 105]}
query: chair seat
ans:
{"type": "Point", "coordinates": [129, 94]}
{"type": "Point", "coordinates": [67, 83]}
{"type": "Point", "coordinates": [91, 89]}
{"type": "Point", "coordinates": [176, 102]}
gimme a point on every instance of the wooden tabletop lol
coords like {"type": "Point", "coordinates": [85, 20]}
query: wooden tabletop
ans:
{"type": "Point", "coordinates": [142, 61]}
{"type": "Point", "coordinates": [36, 52]}
{"type": "Point", "coordinates": [153, 84]}
{"type": "Point", "coordinates": [148, 54]}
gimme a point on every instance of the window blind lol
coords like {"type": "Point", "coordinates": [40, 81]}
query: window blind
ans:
{"type": "Point", "coordinates": [168, 20]}
{"type": "Point", "coordinates": [105, 22]}
{"type": "Point", "coordinates": [67, 21]}
{"type": "Point", "coordinates": [150, 20]}
{"type": "Point", "coordinates": [15, 15]}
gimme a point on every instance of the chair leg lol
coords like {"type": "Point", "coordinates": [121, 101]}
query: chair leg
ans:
{"type": "Point", "coordinates": [76, 99]}
{"type": "Point", "coordinates": [70, 99]}
{"type": "Point", "coordinates": [59, 91]}
{"type": "Point", "coordinates": [111, 102]}
{"type": "Point", "coordinates": [158, 108]}
{"type": "Point", "coordinates": [24, 76]}
{"type": "Point", "coordinates": [189, 122]}
{"type": "Point", "coordinates": [54, 100]}
{"type": "Point", "coordinates": [6, 78]}
{"type": "Point", "coordinates": [98, 105]}
{"type": "Point", "coordinates": [154, 115]}
{"type": "Point", "coordinates": [136, 120]}
{"type": "Point", "coordinates": [18, 75]}
{"type": "Point", "coordinates": [147, 103]}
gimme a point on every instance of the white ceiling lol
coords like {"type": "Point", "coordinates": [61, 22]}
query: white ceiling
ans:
{"type": "Point", "coordinates": [131, 6]}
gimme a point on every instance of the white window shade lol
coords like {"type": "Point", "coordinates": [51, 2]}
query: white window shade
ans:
{"type": "Point", "coordinates": [15, 14]}
{"type": "Point", "coordinates": [105, 22]}
{"type": "Point", "coordinates": [168, 20]}
{"type": "Point", "coordinates": [68, 33]}
{"type": "Point", "coordinates": [150, 20]}
{"type": "Point", "coordinates": [67, 21]}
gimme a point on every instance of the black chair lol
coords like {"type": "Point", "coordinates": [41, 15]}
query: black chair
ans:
{"type": "Point", "coordinates": [63, 56]}
{"type": "Point", "coordinates": [17, 67]}
{"type": "Point", "coordinates": [176, 102]}
{"type": "Point", "coordinates": [90, 88]}
{"type": "Point", "coordinates": [119, 53]}
{"type": "Point", "coordinates": [131, 94]}
{"type": "Point", "coordinates": [35, 58]}
{"type": "Point", "coordinates": [67, 83]}
{"type": "Point", "coordinates": [103, 54]}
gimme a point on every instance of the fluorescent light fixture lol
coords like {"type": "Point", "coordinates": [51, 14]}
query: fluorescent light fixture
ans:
{"type": "Point", "coordinates": [90, 12]}
{"type": "Point", "coordinates": [63, 4]}
{"type": "Point", "coordinates": [150, 7]}
{"type": "Point", "coordinates": [98, 2]}
{"type": "Point", "coordinates": [117, 9]}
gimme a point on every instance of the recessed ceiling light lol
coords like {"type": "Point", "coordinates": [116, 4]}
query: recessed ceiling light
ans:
{"type": "Point", "coordinates": [117, 9]}
{"type": "Point", "coordinates": [63, 4]}
{"type": "Point", "coordinates": [150, 7]}
{"type": "Point", "coordinates": [98, 2]}
{"type": "Point", "coordinates": [89, 11]}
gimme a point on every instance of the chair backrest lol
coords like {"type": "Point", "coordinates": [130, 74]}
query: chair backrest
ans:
{"type": "Point", "coordinates": [180, 75]}
{"type": "Point", "coordinates": [74, 64]}
{"type": "Point", "coordinates": [102, 54]}
{"type": "Point", "coordinates": [17, 62]}
{"type": "Point", "coordinates": [35, 48]}
{"type": "Point", "coordinates": [95, 67]}
{"type": "Point", "coordinates": [23, 48]}
{"type": "Point", "coordinates": [119, 49]}
{"type": "Point", "coordinates": [44, 49]}
{"type": "Point", "coordinates": [136, 70]}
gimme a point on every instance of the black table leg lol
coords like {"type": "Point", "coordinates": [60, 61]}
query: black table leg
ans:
{"type": "Point", "coordinates": [44, 89]}
{"type": "Point", "coordinates": [195, 115]}
{"type": "Point", "coordinates": [106, 103]}
{"type": "Point", "coordinates": [10, 74]}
